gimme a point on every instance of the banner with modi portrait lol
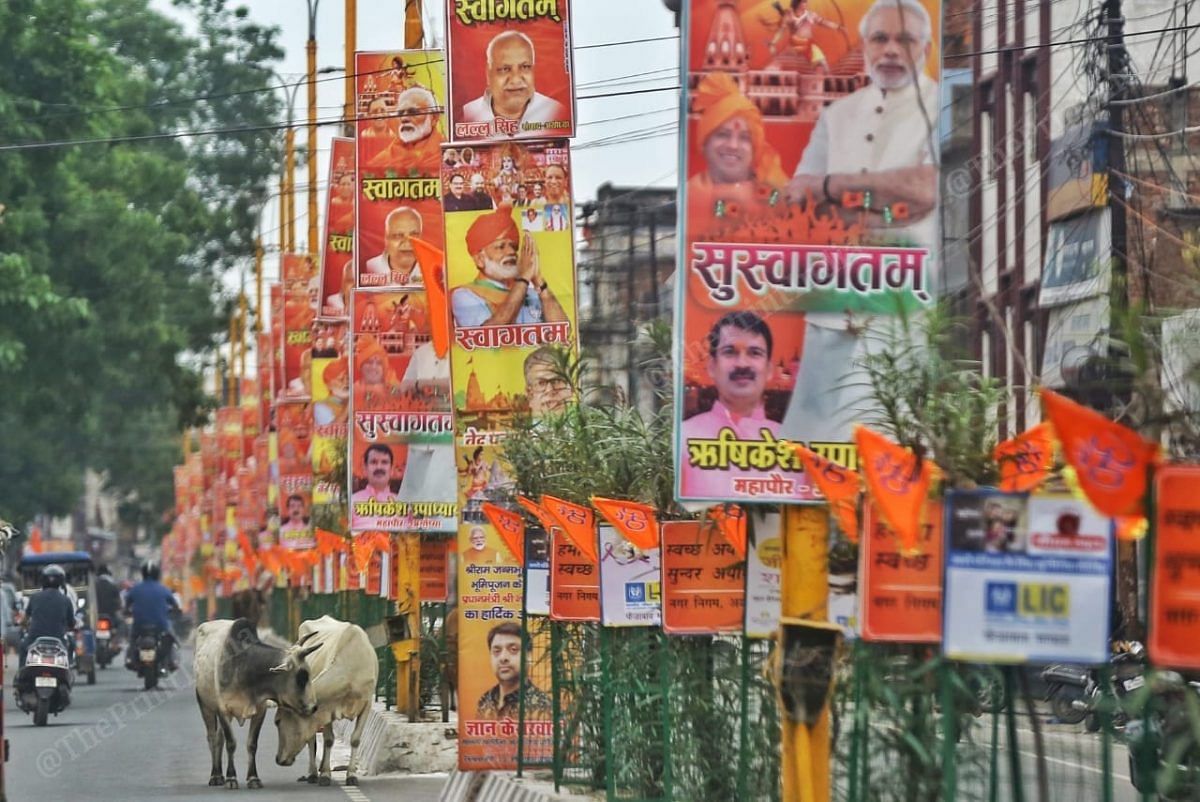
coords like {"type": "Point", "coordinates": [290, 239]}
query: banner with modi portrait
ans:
{"type": "Point", "coordinates": [810, 193]}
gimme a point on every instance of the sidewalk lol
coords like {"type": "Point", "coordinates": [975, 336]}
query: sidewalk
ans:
{"type": "Point", "coordinates": [505, 786]}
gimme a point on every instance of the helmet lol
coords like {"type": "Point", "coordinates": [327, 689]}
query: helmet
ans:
{"type": "Point", "coordinates": [53, 576]}
{"type": "Point", "coordinates": [150, 570]}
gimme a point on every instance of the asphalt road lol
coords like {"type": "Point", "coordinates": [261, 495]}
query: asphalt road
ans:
{"type": "Point", "coordinates": [118, 742]}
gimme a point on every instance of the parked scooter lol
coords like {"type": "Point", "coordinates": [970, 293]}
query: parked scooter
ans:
{"type": "Point", "coordinates": [44, 683]}
{"type": "Point", "coordinates": [1164, 753]}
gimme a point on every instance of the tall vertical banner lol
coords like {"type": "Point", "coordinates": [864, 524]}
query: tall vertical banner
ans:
{"type": "Point", "coordinates": [510, 70]}
{"type": "Point", "coordinates": [400, 100]}
{"type": "Point", "coordinates": [294, 421]}
{"type": "Point", "coordinates": [809, 179]}
{"type": "Point", "coordinates": [330, 383]}
{"type": "Point", "coordinates": [300, 295]}
{"type": "Point", "coordinates": [511, 277]}
{"type": "Point", "coordinates": [337, 256]}
{"type": "Point", "coordinates": [1174, 606]}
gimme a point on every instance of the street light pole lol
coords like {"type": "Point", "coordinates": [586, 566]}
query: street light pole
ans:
{"type": "Point", "coordinates": [311, 48]}
{"type": "Point", "coordinates": [351, 45]}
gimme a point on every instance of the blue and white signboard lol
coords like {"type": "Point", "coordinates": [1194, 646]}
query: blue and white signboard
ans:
{"type": "Point", "coordinates": [1028, 579]}
{"type": "Point", "coordinates": [630, 582]}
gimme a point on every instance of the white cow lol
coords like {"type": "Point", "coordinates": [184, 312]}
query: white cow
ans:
{"type": "Point", "coordinates": [345, 672]}
{"type": "Point", "coordinates": [236, 675]}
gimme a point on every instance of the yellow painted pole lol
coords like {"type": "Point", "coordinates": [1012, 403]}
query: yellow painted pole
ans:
{"type": "Point", "coordinates": [407, 651]}
{"type": "Point", "coordinates": [806, 767]}
{"type": "Point", "coordinates": [414, 26]}
{"type": "Point", "coordinates": [230, 366]}
{"type": "Point", "coordinates": [311, 47]}
{"type": "Point", "coordinates": [258, 286]}
{"type": "Point", "coordinates": [289, 170]}
{"type": "Point", "coordinates": [283, 209]}
{"type": "Point", "coordinates": [351, 46]}
{"type": "Point", "coordinates": [243, 316]}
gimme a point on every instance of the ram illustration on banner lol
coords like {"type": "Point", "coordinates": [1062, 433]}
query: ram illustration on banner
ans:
{"type": "Point", "coordinates": [401, 102]}
{"type": "Point", "coordinates": [810, 189]}
{"type": "Point", "coordinates": [301, 291]}
{"type": "Point", "coordinates": [510, 69]}
{"type": "Point", "coordinates": [337, 258]}
{"type": "Point", "coordinates": [330, 384]}
{"type": "Point", "coordinates": [402, 453]}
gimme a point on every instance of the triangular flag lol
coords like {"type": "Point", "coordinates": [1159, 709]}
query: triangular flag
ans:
{"type": "Point", "coordinates": [637, 523]}
{"type": "Point", "coordinates": [577, 522]}
{"type": "Point", "coordinates": [1025, 460]}
{"type": "Point", "coordinates": [363, 549]}
{"type": "Point", "coordinates": [838, 484]}
{"type": "Point", "coordinates": [511, 527]}
{"type": "Point", "coordinates": [249, 557]}
{"type": "Point", "coordinates": [1110, 460]}
{"type": "Point", "coordinates": [896, 481]}
{"type": "Point", "coordinates": [433, 269]}
{"type": "Point", "coordinates": [330, 542]}
{"type": "Point", "coordinates": [731, 521]}
{"type": "Point", "coordinates": [538, 512]}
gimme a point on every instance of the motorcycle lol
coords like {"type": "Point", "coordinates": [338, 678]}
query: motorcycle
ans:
{"type": "Point", "coordinates": [1066, 685]}
{"type": "Point", "coordinates": [108, 641]}
{"type": "Point", "coordinates": [1164, 753]}
{"type": "Point", "coordinates": [44, 684]}
{"type": "Point", "coordinates": [1075, 693]}
{"type": "Point", "coordinates": [149, 659]}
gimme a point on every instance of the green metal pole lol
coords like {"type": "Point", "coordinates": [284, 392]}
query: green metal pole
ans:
{"type": "Point", "coordinates": [743, 769]}
{"type": "Point", "coordinates": [856, 732]}
{"type": "Point", "coordinates": [555, 707]}
{"type": "Point", "coordinates": [1103, 711]}
{"type": "Point", "coordinates": [606, 707]}
{"type": "Point", "coordinates": [1014, 754]}
{"type": "Point", "coordinates": [1146, 756]}
{"type": "Point", "coordinates": [524, 668]}
{"type": "Point", "coordinates": [994, 770]}
{"type": "Point", "coordinates": [664, 678]}
{"type": "Point", "coordinates": [949, 732]}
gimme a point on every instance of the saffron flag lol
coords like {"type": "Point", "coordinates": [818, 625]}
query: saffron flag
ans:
{"type": "Point", "coordinates": [1110, 460]}
{"type": "Point", "coordinates": [1025, 460]}
{"type": "Point", "coordinates": [433, 262]}
{"type": "Point", "coordinates": [365, 546]}
{"type": "Point", "coordinates": [249, 557]}
{"type": "Point", "coordinates": [578, 522]}
{"type": "Point", "coordinates": [538, 512]}
{"type": "Point", "coordinates": [838, 484]}
{"type": "Point", "coordinates": [637, 523]}
{"type": "Point", "coordinates": [897, 481]}
{"type": "Point", "coordinates": [511, 527]}
{"type": "Point", "coordinates": [731, 522]}
{"type": "Point", "coordinates": [329, 542]}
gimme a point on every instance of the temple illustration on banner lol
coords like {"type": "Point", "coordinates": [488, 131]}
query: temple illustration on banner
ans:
{"type": "Point", "coordinates": [797, 83]}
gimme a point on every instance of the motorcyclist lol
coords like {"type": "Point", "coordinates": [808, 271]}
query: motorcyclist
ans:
{"type": "Point", "coordinates": [108, 597]}
{"type": "Point", "coordinates": [150, 603]}
{"type": "Point", "coordinates": [49, 613]}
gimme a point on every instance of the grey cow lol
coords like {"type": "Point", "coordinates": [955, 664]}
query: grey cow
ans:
{"type": "Point", "coordinates": [236, 675]}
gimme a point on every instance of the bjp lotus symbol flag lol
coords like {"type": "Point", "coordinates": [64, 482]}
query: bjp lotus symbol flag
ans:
{"type": "Point", "coordinates": [511, 527]}
{"type": "Point", "coordinates": [1025, 460]}
{"type": "Point", "coordinates": [636, 522]}
{"type": "Point", "coordinates": [1110, 460]}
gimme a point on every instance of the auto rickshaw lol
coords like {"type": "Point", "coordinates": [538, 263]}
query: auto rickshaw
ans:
{"type": "Point", "coordinates": [80, 588]}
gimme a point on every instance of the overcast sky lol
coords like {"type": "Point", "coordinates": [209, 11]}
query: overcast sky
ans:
{"type": "Point", "coordinates": [601, 70]}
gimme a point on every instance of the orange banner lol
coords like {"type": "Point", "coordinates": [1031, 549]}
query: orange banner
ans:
{"type": "Point", "coordinates": [902, 593]}
{"type": "Point", "coordinates": [703, 582]}
{"type": "Point", "coordinates": [578, 522]}
{"type": "Point", "coordinates": [435, 569]}
{"type": "Point", "coordinates": [511, 528]}
{"type": "Point", "coordinates": [637, 523]}
{"type": "Point", "coordinates": [1174, 606]}
{"type": "Point", "coordinates": [731, 523]}
{"type": "Point", "coordinates": [1110, 460]}
{"type": "Point", "coordinates": [897, 482]}
{"type": "Point", "coordinates": [574, 581]}
{"type": "Point", "coordinates": [838, 484]}
{"type": "Point", "coordinates": [1025, 460]}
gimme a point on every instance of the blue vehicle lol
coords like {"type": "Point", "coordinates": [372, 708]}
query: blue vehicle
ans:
{"type": "Point", "coordinates": [80, 588]}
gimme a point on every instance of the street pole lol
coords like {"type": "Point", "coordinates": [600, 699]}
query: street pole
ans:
{"type": "Point", "coordinates": [289, 168]}
{"type": "Point", "coordinates": [351, 46]}
{"type": "Point", "coordinates": [258, 286]}
{"type": "Point", "coordinates": [243, 314]}
{"type": "Point", "coordinates": [311, 49]}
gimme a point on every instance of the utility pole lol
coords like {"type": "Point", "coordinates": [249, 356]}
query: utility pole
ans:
{"type": "Point", "coordinates": [311, 48]}
{"type": "Point", "coordinates": [1118, 65]}
{"type": "Point", "coordinates": [351, 45]}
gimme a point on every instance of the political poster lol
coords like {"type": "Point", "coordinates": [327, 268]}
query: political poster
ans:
{"type": "Point", "coordinates": [703, 581]}
{"type": "Point", "coordinates": [1174, 606]}
{"type": "Point", "coordinates": [337, 255]}
{"type": "Point", "coordinates": [330, 385]}
{"type": "Point", "coordinates": [764, 576]}
{"type": "Point", "coordinates": [295, 474]}
{"type": "Point", "coordinates": [1027, 579]}
{"type": "Point", "coordinates": [537, 571]}
{"type": "Point", "coordinates": [300, 296]}
{"type": "Point", "coordinates": [435, 569]}
{"type": "Point", "coordinates": [809, 191]}
{"type": "Point", "coordinates": [400, 101]}
{"type": "Point", "coordinates": [901, 592]}
{"type": "Point", "coordinates": [510, 69]}
{"type": "Point", "coordinates": [630, 582]}
{"type": "Point", "coordinates": [402, 453]}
